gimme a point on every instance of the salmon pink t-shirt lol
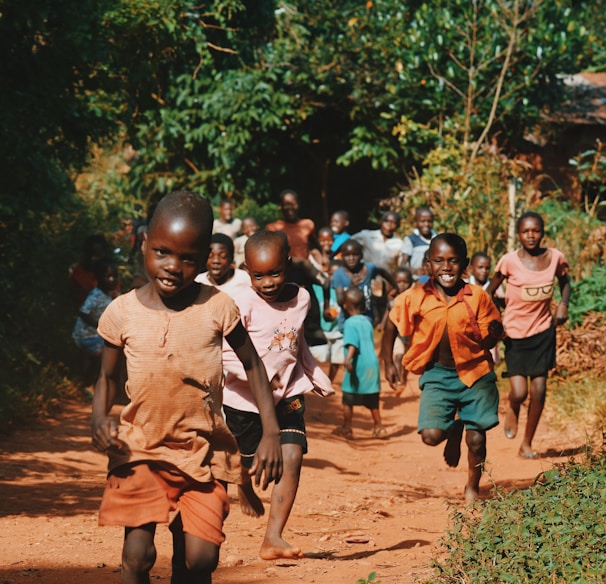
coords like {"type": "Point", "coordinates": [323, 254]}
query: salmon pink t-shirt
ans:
{"type": "Point", "coordinates": [529, 293]}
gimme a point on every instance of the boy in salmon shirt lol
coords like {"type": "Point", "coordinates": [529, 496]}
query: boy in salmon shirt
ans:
{"type": "Point", "coordinates": [452, 327]}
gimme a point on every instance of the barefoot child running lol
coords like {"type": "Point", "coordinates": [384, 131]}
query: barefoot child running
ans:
{"type": "Point", "coordinates": [362, 378]}
{"type": "Point", "coordinates": [273, 311]}
{"type": "Point", "coordinates": [530, 328]}
{"type": "Point", "coordinates": [171, 449]}
{"type": "Point", "coordinates": [452, 326]}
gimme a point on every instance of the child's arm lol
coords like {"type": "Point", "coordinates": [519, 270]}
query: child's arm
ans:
{"type": "Point", "coordinates": [386, 274]}
{"type": "Point", "coordinates": [268, 458]}
{"type": "Point", "coordinates": [391, 373]}
{"type": "Point", "coordinates": [104, 430]}
{"type": "Point", "coordinates": [349, 358]}
{"type": "Point", "coordinates": [495, 282]}
{"type": "Point", "coordinates": [495, 334]}
{"type": "Point", "coordinates": [565, 290]}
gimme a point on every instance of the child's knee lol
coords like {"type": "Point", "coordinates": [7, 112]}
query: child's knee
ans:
{"type": "Point", "coordinates": [203, 560]}
{"type": "Point", "coordinates": [476, 441]}
{"type": "Point", "coordinates": [138, 556]}
{"type": "Point", "coordinates": [432, 436]}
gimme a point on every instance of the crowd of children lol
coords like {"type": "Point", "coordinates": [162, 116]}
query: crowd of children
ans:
{"type": "Point", "coordinates": [235, 324]}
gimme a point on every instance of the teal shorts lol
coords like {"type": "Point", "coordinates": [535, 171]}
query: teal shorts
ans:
{"type": "Point", "coordinates": [443, 394]}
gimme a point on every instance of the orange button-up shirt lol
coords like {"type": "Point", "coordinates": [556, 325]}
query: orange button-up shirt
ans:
{"type": "Point", "coordinates": [422, 314]}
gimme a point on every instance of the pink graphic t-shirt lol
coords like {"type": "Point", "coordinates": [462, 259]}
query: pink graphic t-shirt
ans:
{"type": "Point", "coordinates": [276, 331]}
{"type": "Point", "coordinates": [529, 293]}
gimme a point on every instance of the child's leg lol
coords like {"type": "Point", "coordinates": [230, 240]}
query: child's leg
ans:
{"type": "Point", "coordinates": [518, 391]}
{"type": "Point", "coordinates": [347, 417]}
{"type": "Point", "coordinates": [332, 371]}
{"type": "Point", "coordinates": [453, 437]}
{"type": "Point", "coordinates": [538, 389]}
{"type": "Point", "coordinates": [194, 560]}
{"type": "Point", "coordinates": [138, 554]}
{"type": "Point", "coordinates": [282, 500]}
{"type": "Point", "coordinates": [250, 504]}
{"type": "Point", "coordinates": [379, 431]}
{"type": "Point", "coordinates": [476, 455]}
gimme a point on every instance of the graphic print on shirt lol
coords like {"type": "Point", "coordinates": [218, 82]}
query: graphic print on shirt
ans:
{"type": "Point", "coordinates": [538, 293]}
{"type": "Point", "coordinates": [284, 339]}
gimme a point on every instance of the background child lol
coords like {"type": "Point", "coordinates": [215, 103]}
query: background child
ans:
{"type": "Point", "coordinates": [249, 226]}
{"type": "Point", "coordinates": [226, 222]}
{"type": "Point", "coordinates": [220, 271]}
{"type": "Point", "coordinates": [417, 243]}
{"type": "Point", "coordinates": [451, 325]}
{"type": "Point", "coordinates": [479, 271]}
{"type": "Point", "coordinates": [81, 276]}
{"type": "Point", "coordinates": [320, 257]}
{"type": "Point", "coordinates": [105, 272]}
{"type": "Point", "coordinates": [339, 222]}
{"type": "Point", "coordinates": [273, 311]}
{"type": "Point", "coordinates": [172, 449]}
{"type": "Point", "coordinates": [330, 325]}
{"type": "Point", "coordinates": [404, 280]}
{"type": "Point", "coordinates": [530, 343]}
{"type": "Point", "coordinates": [355, 272]}
{"type": "Point", "coordinates": [361, 381]}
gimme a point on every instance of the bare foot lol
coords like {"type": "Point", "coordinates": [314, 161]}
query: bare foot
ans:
{"type": "Point", "coordinates": [279, 550]}
{"type": "Point", "coordinates": [471, 495]}
{"type": "Point", "coordinates": [452, 450]}
{"type": "Point", "coordinates": [528, 452]}
{"type": "Point", "coordinates": [250, 503]}
{"type": "Point", "coordinates": [511, 423]}
{"type": "Point", "coordinates": [399, 389]}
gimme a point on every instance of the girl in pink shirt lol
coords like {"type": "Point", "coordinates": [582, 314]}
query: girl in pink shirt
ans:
{"type": "Point", "coordinates": [530, 328]}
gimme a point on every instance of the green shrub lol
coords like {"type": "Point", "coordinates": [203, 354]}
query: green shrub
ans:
{"type": "Point", "coordinates": [552, 532]}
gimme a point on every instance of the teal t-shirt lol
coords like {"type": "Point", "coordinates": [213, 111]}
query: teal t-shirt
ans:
{"type": "Point", "coordinates": [365, 379]}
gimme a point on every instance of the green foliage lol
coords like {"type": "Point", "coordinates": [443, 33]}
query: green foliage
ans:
{"type": "Point", "coordinates": [372, 579]}
{"type": "Point", "coordinates": [551, 532]}
{"type": "Point", "coordinates": [588, 295]}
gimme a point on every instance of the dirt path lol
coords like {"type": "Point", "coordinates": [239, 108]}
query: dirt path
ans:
{"type": "Point", "coordinates": [363, 506]}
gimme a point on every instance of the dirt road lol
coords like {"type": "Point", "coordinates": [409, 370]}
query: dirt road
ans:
{"type": "Point", "coordinates": [365, 505]}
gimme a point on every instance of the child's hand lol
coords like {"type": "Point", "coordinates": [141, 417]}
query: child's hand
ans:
{"type": "Point", "coordinates": [267, 464]}
{"type": "Point", "coordinates": [495, 329]}
{"type": "Point", "coordinates": [105, 434]}
{"type": "Point", "coordinates": [561, 313]}
{"type": "Point", "coordinates": [276, 383]}
{"type": "Point", "coordinates": [392, 377]}
{"type": "Point", "coordinates": [329, 314]}
{"type": "Point", "coordinates": [348, 365]}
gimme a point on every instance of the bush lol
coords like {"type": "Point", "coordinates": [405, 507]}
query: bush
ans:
{"type": "Point", "coordinates": [552, 532]}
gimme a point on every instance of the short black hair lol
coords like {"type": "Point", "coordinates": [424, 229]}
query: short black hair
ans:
{"type": "Point", "coordinates": [266, 238]}
{"type": "Point", "coordinates": [453, 240]}
{"type": "Point", "coordinates": [288, 192]}
{"type": "Point", "coordinates": [531, 215]}
{"type": "Point", "coordinates": [224, 240]}
{"type": "Point", "coordinates": [479, 254]}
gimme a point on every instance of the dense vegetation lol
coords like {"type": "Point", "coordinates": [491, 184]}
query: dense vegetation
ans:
{"type": "Point", "coordinates": [343, 100]}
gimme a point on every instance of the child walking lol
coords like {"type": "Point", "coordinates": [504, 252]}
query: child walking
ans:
{"type": "Point", "coordinates": [452, 326]}
{"type": "Point", "coordinates": [361, 381]}
{"type": "Point", "coordinates": [273, 311]}
{"type": "Point", "coordinates": [171, 449]}
{"type": "Point", "coordinates": [530, 328]}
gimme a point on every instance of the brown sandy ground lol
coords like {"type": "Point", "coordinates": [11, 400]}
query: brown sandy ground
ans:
{"type": "Point", "coordinates": [363, 505]}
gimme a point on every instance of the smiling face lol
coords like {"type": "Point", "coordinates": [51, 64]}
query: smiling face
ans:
{"type": "Point", "coordinates": [530, 233]}
{"type": "Point", "coordinates": [226, 210]}
{"type": "Point", "coordinates": [249, 226]}
{"type": "Point", "coordinates": [174, 251]}
{"type": "Point", "coordinates": [339, 222]}
{"type": "Point", "coordinates": [446, 265]}
{"type": "Point", "coordinates": [403, 281]}
{"type": "Point", "coordinates": [267, 264]}
{"type": "Point", "coordinates": [325, 239]}
{"type": "Point", "coordinates": [290, 207]}
{"type": "Point", "coordinates": [424, 222]}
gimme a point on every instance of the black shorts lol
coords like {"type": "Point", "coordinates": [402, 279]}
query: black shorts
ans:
{"type": "Point", "coordinates": [248, 430]}
{"type": "Point", "coordinates": [368, 400]}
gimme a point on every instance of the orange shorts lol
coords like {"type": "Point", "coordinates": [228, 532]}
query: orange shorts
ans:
{"type": "Point", "coordinates": [147, 492]}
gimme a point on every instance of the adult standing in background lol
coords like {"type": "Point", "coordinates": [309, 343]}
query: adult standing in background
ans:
{"type": "Point", "coordinates": [299, 231]}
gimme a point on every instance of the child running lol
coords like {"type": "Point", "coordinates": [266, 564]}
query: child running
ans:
{"type": "Point", "coordinates": [172, 449]}
{"type": "Point", "coordinates": [452, 326]}
{"type": "Point", "coordinates": [361, 381]}
{"type": "Point", "coordinates": [530, 328]}
{"type": "Point", "coordinates": [273, 311]}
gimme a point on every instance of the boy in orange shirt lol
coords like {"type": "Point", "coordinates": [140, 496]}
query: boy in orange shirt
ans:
{"type": "Point", "coordinates": [452, 327]}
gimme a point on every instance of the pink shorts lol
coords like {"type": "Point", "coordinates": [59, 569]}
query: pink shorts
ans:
{"type": "Point", "coordinates": [147, 492]}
